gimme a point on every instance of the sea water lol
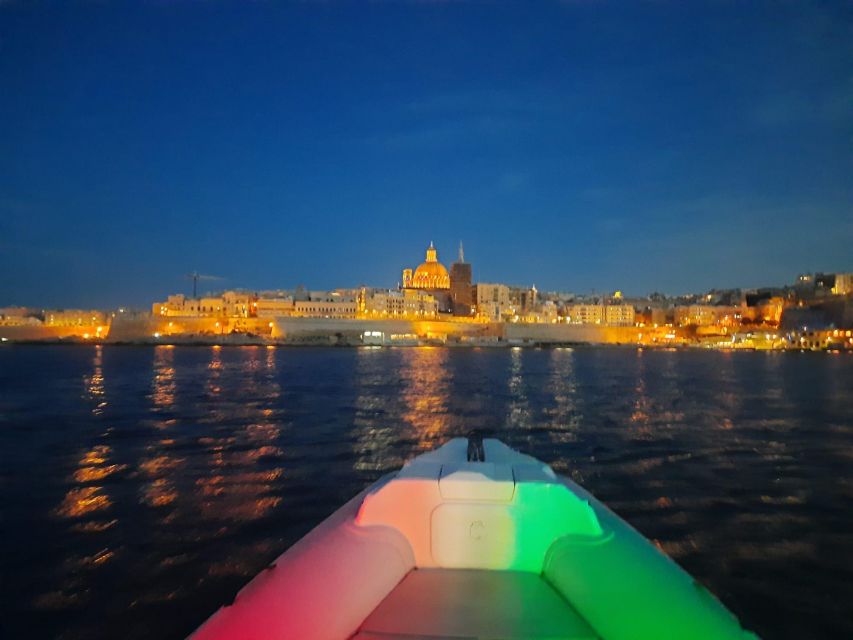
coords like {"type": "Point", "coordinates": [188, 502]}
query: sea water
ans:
{"type": "Point", "coordinates": [141, 487]}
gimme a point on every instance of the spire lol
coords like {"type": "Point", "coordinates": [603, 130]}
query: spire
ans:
{"type": "Point", "coordinates": [461, 252]}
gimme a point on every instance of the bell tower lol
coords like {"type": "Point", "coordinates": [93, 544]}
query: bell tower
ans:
{"type": "Point", "coordinates": [461, 289]}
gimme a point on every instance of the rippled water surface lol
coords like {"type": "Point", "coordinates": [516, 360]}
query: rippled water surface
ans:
{"type": "Point", "coordinates": [141, 487]}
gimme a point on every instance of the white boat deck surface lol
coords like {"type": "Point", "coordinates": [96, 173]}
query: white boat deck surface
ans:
{"type": "Point", "coordinates": [465, 604]}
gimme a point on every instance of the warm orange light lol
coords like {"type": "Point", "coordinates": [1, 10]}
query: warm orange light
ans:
{"type": "Point", "coordinates": [83, 500]}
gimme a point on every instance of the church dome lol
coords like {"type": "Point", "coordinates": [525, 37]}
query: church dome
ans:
{"type": "Point", "coordinates": [431, 274]}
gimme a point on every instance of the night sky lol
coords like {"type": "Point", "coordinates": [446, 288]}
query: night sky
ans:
{"type": "Point", "coordinates": [576, 146]}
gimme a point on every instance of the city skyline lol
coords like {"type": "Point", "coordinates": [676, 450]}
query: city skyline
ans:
{"type": "Point", "coordinates": [185, 285]}
{"type": "Point", "coordinates": [571, 146]}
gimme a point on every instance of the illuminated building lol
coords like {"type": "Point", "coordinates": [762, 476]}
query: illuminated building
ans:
{"type": "Point", "coordinates": [269, 307]}
{"type": "Point", "coordinates": [497, 293]}
{"type": "Point", "coordinates": [492, 300]}
{"type": "Point", "coordinates": [771, 311]}
{"type": "Point", "coordinates": [19, 317]}
{"type": "Point", "coordinates": [461, 291]}
{"type": "Point", "coordinates": [230, 304]}
{"type": "Point", "coordinates": [235, 304]}
{"type": "Point", "coordinates": [843, 284]}
{"type": "Point", "coordinates": [525, 299]}
{"type": "Point", "coordinates": [180, 306]}
{"type": "Point", "coordinates": [325, 308]}
{"type": "Point", "coordinates": [603, 314]}
{"type": "Point", "coordinates": [622, 315]}
{"type": "Point", "coordinates": [585, 313]}
{"type": "Point", "coordinates": [409, 303]}
{"type": "Point", "coordinates": [547, 313]}
{"type": "Point", "coordinates": [431, 277]}
{"type": "Point", "coordinates": [701, 315]}
{"type": "Point", "coordinates": [239, 304]}
{"type": "Point", "coordinates": [430, 274]}
{"type": "Point", "coordinates": [824, 284]}
{"type": "Point", "coordinates": [339, 303]}
{"type": "Point", "coordinates": [73, 317]}
{"type": "Point", "coordinates": [335, 295]}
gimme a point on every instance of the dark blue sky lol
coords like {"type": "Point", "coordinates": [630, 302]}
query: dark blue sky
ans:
{"type": "Point", "coordinates": [663, 146]}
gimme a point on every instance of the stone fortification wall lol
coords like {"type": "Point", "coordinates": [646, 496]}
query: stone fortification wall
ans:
{"type": "Point", "coordinates": [571, 333]}
{"type": "Point", "coordinates": [289, 330]}
{"type": "Point", "coordinates": [29, 333]}
{"type": "Point", "coordinates": [305, 329]}
{"type": "Point", "coordinates": [132, 328]}
{"type": "Point", "coordinates": [143, 327]}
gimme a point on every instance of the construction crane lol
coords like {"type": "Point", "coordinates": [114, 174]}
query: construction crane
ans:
{"type": "Point", "coordinates": [195, 276]}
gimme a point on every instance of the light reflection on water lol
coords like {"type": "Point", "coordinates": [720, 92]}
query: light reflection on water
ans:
{"type": "Point", "coordinates": [163, 383]}
{"type": "Point", "coordinates": [94, 383]}
{"type": "Point", "coordinates": [426, 387]}
{"type": "Point", "coordinates": [641, 414]}
{"type": "Point", "coordinates": [564, 415]}
{"type": "Point", "coordinates": [237, 486]}
{"type": "Point", "coordinates": [85, 508]}
{"type": "Point", "coordinates": [375, 430]}
{"type": "Point", "coordinates": [178, 473]}
{"type": "Point", "coordinates": [518, 417]}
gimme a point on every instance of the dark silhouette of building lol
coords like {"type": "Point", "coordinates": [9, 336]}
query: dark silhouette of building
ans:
{"type": "Point", "coordinates": [461, 289]}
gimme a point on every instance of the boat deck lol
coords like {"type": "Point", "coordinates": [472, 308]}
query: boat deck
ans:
{"type": "Point", "coordinates": [463, 604]}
